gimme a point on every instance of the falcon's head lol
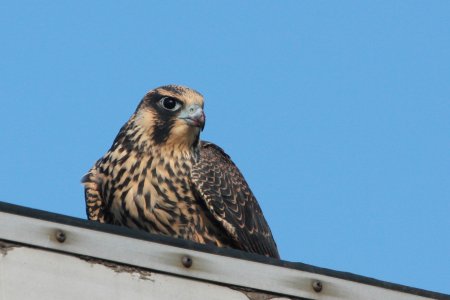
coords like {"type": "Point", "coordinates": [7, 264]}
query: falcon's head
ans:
{"type": "Point", "coordinates": [172, 115]}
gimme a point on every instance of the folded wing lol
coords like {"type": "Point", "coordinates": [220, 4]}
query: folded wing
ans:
{"type": "Point", "coordinates": [220, 184]}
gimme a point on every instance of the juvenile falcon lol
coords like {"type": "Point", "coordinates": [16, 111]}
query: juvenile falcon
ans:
{"type": "Point", "coordinates": [159, 177]}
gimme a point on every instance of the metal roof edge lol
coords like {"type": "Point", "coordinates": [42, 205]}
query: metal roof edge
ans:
{"type": "Point", "coordinates": [232, 253]}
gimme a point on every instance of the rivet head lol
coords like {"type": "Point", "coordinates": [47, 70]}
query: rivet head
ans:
{"type": "Point", "coordinates": [60, 236]}
{"type": "Point", "coordinates": [317, 286]}
{"type": "Point", "coordinates": [186, 261]}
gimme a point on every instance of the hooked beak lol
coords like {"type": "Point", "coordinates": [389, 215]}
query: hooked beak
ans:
{"type": "Point", "coordinates": [194, 116]}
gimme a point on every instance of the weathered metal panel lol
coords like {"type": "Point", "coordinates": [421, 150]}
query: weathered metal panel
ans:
{"type": "Point", "coordinates": [27, 273]}
{"type": "Point", "coordinates": [212, 272]}
{"type": "Point", "coordinates": [144, 254]}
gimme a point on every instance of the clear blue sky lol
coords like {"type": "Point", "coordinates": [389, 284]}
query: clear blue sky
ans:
{"type": "Point", "coordinates": [337, 113]}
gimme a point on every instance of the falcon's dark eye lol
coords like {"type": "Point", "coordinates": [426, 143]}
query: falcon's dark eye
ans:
{"type": "Point", "coordinates": [170, 103]}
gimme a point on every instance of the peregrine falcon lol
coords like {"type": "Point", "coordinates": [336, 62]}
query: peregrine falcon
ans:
{"type": "Point", "coordinates": [159, 177]}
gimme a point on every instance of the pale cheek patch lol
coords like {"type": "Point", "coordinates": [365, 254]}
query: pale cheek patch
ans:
{"type": "Point", "coordinates": [145, 118]}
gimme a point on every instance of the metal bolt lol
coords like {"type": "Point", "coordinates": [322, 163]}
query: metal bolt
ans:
{"type": "Point", "coordinates": [186, 261]}
{"type": "Point", "coordinates": [317, 286]}
{"type": "Point", "coordinates": [60, 236]}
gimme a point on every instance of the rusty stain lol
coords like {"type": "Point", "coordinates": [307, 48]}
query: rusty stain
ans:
{"type": "Point", "coordinates": [119, 268]}
{"type": "Point", "coordinates": [256, 295]}
{"type": "Point", "coordinates": [5, 247]}
{"type": "Point", "coordinates": [259, 296]}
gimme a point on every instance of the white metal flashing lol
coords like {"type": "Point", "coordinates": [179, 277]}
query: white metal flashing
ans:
{"type": "Point", "coordinates": [206, 267]}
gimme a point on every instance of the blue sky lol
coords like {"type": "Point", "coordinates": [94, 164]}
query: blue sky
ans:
{"type": "Point", "coordinates": [337, 113]}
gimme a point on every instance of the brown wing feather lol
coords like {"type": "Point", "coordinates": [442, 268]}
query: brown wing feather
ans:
{"type": "Point", "coordinates": [228, 197]}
